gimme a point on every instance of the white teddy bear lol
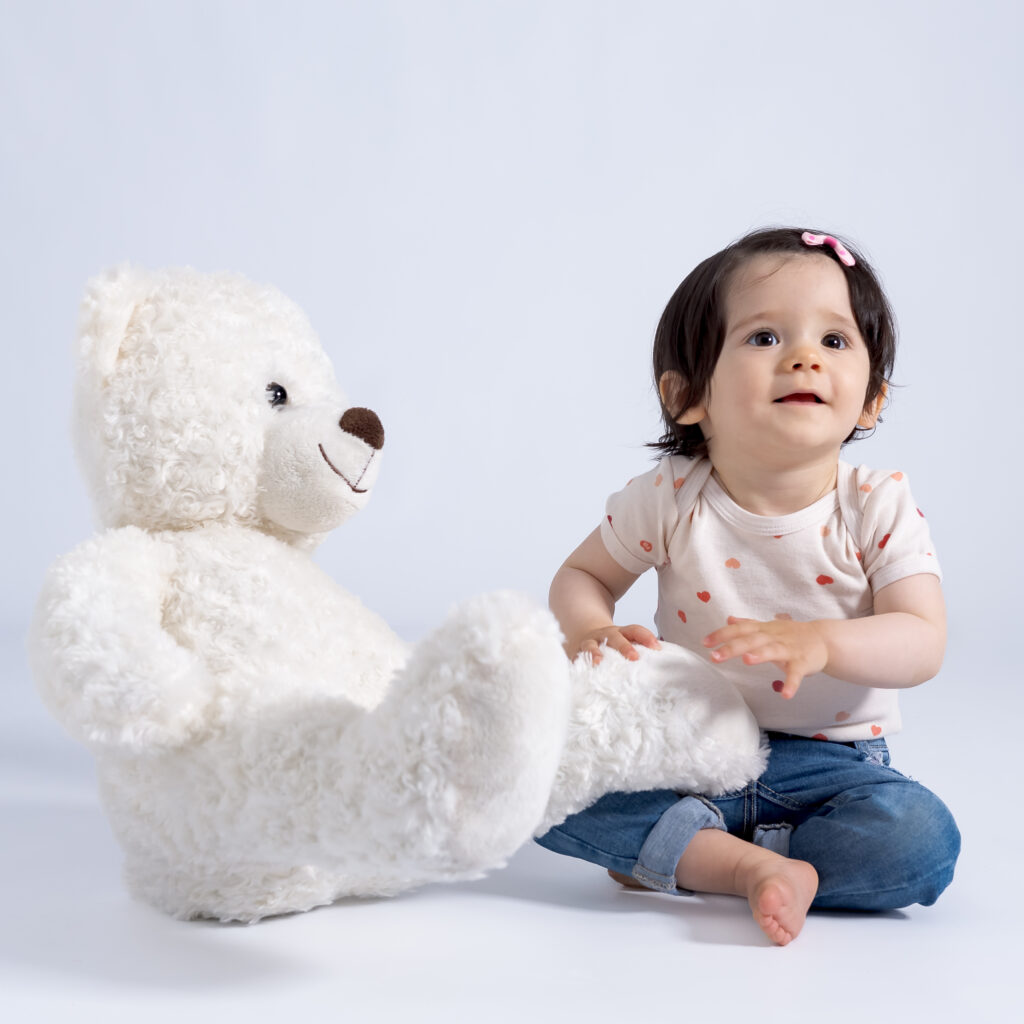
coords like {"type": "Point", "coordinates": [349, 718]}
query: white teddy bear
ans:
{"type": "Point", "coordinates": [265, 743]}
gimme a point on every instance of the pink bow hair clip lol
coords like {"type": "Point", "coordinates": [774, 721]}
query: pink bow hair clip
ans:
{"type": "Point", "coordinates": [809, 238]}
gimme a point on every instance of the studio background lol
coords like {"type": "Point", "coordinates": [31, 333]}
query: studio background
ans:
{"type": "Point", "coordinates": [483, 208]}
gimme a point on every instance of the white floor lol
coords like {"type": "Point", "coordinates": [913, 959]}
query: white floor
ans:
{"type": "Point", "coordinates": [545, 939]}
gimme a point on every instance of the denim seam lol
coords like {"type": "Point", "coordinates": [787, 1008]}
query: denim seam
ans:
{"type": "Point", "coordinates": [712, 807]}
{"type": "Point", "coordinates": [781, 799]}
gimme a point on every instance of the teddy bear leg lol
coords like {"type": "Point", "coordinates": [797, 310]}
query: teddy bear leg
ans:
{"type": "Point", "coordinates": [464, 748]}
{"type": "Point", "coordinates": [668, 720]}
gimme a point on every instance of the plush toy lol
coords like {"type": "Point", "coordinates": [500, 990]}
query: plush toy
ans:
{"type": "Point", "coordinates": [264, 742]}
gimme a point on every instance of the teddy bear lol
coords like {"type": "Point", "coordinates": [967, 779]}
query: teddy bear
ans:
{"type": "Point", "coordinates": [264, 742]}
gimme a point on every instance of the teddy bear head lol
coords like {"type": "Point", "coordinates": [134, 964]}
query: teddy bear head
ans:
{"type": "Point", "coordinates": [205, 398]}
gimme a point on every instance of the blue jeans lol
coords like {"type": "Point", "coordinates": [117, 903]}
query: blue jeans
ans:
{"type": "Point", "coordinates": [877, 839]}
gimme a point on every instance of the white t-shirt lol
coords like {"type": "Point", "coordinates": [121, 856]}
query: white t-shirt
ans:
{"type": "Point", "coordinates": [716, 559]}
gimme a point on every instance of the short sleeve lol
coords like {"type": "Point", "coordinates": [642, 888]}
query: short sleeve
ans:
{"type": "Point", "coordinates": [641, 518]}
{"type": "Point", "coordinates": [894, 537]}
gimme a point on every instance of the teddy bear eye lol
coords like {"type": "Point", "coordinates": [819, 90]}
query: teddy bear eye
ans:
{"type": "Point", "coordinates": [276, 395]}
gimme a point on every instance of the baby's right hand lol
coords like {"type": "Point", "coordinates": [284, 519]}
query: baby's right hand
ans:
{"type": "Point", "coordinates": [618, 638]}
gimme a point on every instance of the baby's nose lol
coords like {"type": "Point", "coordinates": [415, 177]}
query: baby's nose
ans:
{"type": "Point", "coordinates": [809, 363]}
{"type": "Point", "coordinates": [364, 424]}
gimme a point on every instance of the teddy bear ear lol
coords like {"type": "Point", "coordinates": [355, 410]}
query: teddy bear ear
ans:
{"type": "Point", "coordinates": [107, 307]}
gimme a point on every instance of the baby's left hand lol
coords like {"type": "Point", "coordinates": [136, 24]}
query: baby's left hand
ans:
{"type": "Point", "coordinates": [798, 648]}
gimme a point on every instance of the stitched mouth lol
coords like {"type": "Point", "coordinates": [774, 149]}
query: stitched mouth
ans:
{"type": "Point", "coordinates": [352, 486]}
{"type": "Point", "coordinates": [800, 398]}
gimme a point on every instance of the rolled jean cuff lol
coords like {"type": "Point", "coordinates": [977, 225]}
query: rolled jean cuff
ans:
{"type": "Point", "coordinates": [665, 843]}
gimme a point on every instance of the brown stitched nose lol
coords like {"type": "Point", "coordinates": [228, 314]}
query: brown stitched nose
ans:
{"type": "Point", "coordinates": [364, 424]}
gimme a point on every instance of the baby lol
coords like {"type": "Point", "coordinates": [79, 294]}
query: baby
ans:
{"type": "Point", "coordinates": [811, 582]}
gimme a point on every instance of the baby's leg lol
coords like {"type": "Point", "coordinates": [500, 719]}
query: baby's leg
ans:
{"type": "Point", "coordinates": [880, 846]}
{"type": "Point", "coordinates": [877, 839]}
{"type": "Point", "coordinates": [614, 832]}
{"type": "Point", "coordinates": [779, 890]}
{"type": "Point", "coordinates": [659, 841]}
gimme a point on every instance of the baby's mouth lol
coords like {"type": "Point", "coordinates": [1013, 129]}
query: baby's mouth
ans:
{"type": "Point", "coordinates": [800, 398]}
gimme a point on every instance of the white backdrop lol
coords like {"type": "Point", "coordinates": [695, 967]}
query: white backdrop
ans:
{"type": "Point", "coordinates": [483, 207]}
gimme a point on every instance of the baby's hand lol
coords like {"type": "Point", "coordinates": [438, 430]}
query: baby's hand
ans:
{"type": "Point", "coordinates": [798, 648]}
{"type": "Point", "coordinates": [619, 638]}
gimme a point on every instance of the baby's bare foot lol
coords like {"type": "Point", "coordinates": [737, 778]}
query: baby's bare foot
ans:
{"type": "Point", "coordinates": [626, 880]}
{"type": "Point", "coordinates": [780, 894]}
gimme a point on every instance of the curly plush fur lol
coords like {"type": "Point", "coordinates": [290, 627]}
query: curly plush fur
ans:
{"type": "Point", "coordinates": [264, 742]}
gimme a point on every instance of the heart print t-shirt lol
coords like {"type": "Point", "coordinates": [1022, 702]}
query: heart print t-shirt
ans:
{"type": "Point", "coordinates": [827, 561]}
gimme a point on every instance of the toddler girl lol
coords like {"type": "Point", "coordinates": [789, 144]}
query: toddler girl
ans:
{"type": "Point", "coordinates": [812, 583]}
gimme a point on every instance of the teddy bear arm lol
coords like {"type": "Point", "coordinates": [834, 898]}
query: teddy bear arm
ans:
{"type": "Point", "coordinates": [103, 663]}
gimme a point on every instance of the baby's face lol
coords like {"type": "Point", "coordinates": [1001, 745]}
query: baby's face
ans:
{"type": "Point", "coordinates": [793, 372]}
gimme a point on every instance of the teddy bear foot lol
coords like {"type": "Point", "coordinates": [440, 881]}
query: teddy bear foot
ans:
{"type": "Point", "coordinates": [473, 728]}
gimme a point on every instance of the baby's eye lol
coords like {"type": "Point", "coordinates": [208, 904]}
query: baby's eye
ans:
{"type": "Point", "coordinates": [276, 395]}
{"type": "Point", "coordinates": [763, 339]}
{"type": "Point", "coordinates": [836, 341]}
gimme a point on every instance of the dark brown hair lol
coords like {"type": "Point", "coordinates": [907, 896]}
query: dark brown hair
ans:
{"type": "Point", "coordinates": [691, 331]}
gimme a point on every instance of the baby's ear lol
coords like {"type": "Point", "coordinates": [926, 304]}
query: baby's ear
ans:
{"type": "Point", "coordinates": [873, 409]}
{"type": "Point", "coordinates": [107, 307]}
{"type": "Point", "coordinates": [674, 396]}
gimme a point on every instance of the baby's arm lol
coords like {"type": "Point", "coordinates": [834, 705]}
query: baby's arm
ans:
{"type": "Point", "coordinates": [900, 645]}
{"type": "Point", "coordinates": [583, 595]}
